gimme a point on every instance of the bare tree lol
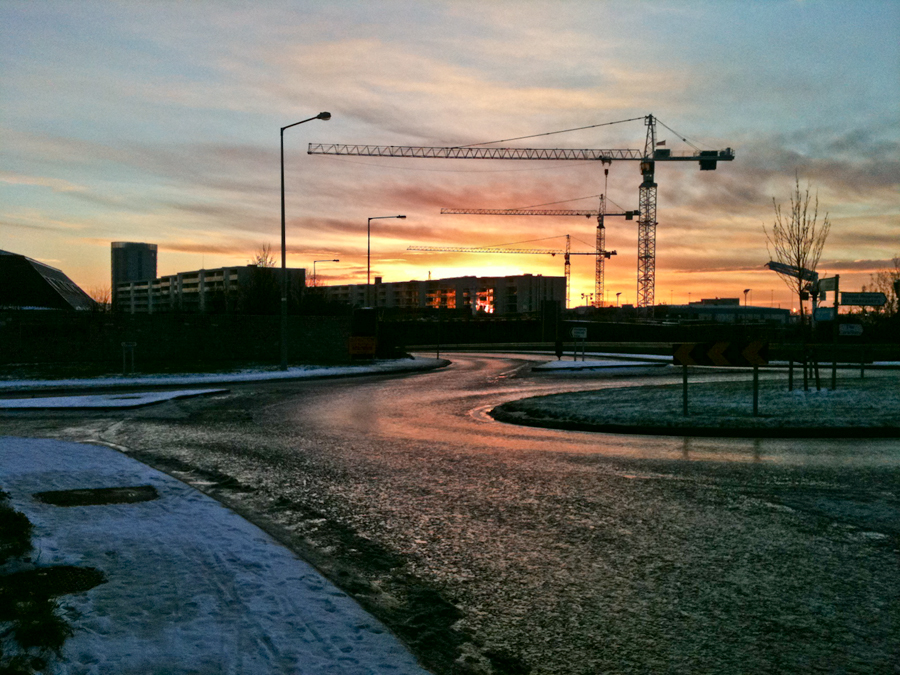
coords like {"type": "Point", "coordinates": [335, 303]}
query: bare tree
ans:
{"type": "Point", "coordinates": [797, 237]}
{"type": "Point", "coordinates": [885, 281]}
{"type": "Point", "coordinates": [102, 296]}
{"type": "Point", "coordinates": [264, 257]}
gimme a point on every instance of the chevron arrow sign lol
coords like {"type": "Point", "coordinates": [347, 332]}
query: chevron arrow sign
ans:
{"type": "Point", "coordinates": [736, 354]}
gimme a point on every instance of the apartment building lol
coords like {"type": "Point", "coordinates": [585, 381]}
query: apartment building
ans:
{"type": "Point", "coordinates": [247, 288]}
{"type": "Point", "coordinates": [487, 295]}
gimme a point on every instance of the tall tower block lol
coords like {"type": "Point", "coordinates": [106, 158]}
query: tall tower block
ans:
{"type": "Point", "coordinates": [132, 261]}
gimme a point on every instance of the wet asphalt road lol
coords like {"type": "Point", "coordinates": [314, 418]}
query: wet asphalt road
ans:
{"type": "Point", "coordinates": [495, 548]}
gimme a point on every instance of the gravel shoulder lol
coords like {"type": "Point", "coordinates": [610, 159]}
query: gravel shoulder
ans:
{"type": "Point", "coordinates": [859, 407]}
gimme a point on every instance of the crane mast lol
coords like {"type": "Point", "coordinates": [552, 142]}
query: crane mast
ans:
{"type": "Point", "coordinates": [647, 193]}
{"type": "Point", "coordinates": [646, 254]}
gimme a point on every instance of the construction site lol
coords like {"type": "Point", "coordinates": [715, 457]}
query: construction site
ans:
{"type": "Point", "coordinates": [645, 213]}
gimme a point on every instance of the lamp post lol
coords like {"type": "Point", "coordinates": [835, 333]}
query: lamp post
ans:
{"type": "Point", "coordinates": [617, 298]}
{"type": "Point", "coordinates": [284, 280]}
{"type": "Point", "coordinates": [369, 254]}
{"type": "Point", "coordinates": [315, 277]}
{"type": "Point", "coordinates": [746, 290]}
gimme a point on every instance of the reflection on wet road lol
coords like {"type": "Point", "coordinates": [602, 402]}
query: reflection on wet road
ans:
{"type": "Point", "coordinates": [452, 406]}
{"type": "Point", "coordinates": [493, 548]}
{"type": "Point", "coordinates": [588, 553]}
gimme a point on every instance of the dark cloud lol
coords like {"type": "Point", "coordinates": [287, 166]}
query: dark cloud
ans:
{"type": "Point", "coordinates": [839, 266]}
{"type": "Point", "coordinates": [861, 164]}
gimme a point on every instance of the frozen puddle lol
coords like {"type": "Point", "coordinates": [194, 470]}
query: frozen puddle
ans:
{"type": "Point", "coordinates": [103, 401]}
{"type": "Point", "coordinates": [191, 587]}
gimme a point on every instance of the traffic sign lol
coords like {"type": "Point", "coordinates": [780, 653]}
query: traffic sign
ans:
{"type": "Point", "coordinates": [361, 345]}
{"type": "Point", "coordinates": [579, 333]}
{"type": "Point", "coordinates": [792, 271]}
{"type": "Point", "coordinates": [850, 329]}
{"type": "Point", "coordinates": [864, 299]}
{"type": "Point", "coordinates": [741, 354]}
{"type": "Point", "coordinates": [829, 284]}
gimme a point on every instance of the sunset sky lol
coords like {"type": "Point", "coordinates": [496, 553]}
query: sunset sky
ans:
{"type": "Point", "coordinates": [159, 122]}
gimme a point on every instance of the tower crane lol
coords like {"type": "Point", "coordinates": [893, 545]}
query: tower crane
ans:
{"type": "Point", "coordinates": [567, 253]}
{"type": "Point", "coordinates": [647, 193]}
{"type": "Point", "coordinates": [600, 214]}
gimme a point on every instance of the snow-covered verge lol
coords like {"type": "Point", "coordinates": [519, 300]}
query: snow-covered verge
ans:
{"type": "Point", "coordinates": [103, 401]}
{"type": "Point", "coordinates": [231, 377]}
{"type": "Point", "coordinates": [858, 407]}
{"type": "Point", "coordinates": [191, 587]}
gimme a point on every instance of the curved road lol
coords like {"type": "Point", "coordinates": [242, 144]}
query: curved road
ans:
{"type": "Point", "coordinates": [491, 546]}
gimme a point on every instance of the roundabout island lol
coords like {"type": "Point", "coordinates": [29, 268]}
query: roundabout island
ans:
{"type": "Point", "coordinates": [866, 407]}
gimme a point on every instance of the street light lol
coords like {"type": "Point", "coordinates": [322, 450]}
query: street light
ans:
{"type": "Point", "coordinates": [746, 290]}
{"type": "Point", "coordinates": [284, 280]}
{"type": "Point", "coordinates": [369, 253]}
{"type": "Point", "coordinates": [617, 298]}
{"type": "Point", "coordinates": [316, 278]}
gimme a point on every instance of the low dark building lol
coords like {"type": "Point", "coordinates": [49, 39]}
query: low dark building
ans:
{"type": "Point", "coordinates": [29, 284]}
{"type": "Point", "coordinates": [249, 289]}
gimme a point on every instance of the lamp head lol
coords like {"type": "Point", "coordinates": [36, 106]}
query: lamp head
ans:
{"type": "Point", "coordinates": [401, 216]}
{"type": "Point", "coordinates": [323, 116]}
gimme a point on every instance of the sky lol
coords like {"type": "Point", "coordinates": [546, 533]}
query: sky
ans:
{"type": "Point", "coordinates": [159, 121]}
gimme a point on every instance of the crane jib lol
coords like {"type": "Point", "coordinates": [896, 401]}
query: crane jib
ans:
{"type": "Point", "coordinates": [512, 153]}
{"type": "Point", "coordinates": [536, 212]}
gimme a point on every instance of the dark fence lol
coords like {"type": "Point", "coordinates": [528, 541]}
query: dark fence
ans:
{"type": "Point", "coordinates": [485, 331]}
{"type": "Point", "coordinates": [50, 337]}
{"type": "Point", "coordinates": [655, 337]}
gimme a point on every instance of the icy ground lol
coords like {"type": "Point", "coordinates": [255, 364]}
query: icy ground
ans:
{"type": "Point", "coordinates": [248, 375]}
{"type": "Point", "coordinates": [191, 587]}
{"type": "Point", "coordinates": [103, 401]}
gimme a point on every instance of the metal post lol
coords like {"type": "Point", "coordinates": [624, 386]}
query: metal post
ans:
{"type": "Point", "coordinates": [805, 368]}
{"type": "Point", "coordinates": [756, 391]}
{"type": "Point", "coordinates": [439, 334]}
{"type": "Point", "coordinates": [284, 282]}
{"type": "Point", "coordinates": [369, 254]}
{"type": "Point", "coordinates": [834, 321]}
{"type": "Point", "coordinates": [284, 287]}
{"type": "Point", "coordinates": [791, 374]}
{"type": "Point", "coordinates": [815, 354]}
{"type": "Point", "coordinates": [684, 388]}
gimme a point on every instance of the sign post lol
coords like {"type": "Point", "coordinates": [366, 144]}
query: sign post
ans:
{"type": "Point", "coordinates": [579, 333]}
{"type": "Point", "coordinates": [755, 390]}
{"type": "Point", "coordinates": [725, 354]}
{"type": "Point", "coordinates": [128, 357]}
{"type": "Point", "coordinates": [833, 284]}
